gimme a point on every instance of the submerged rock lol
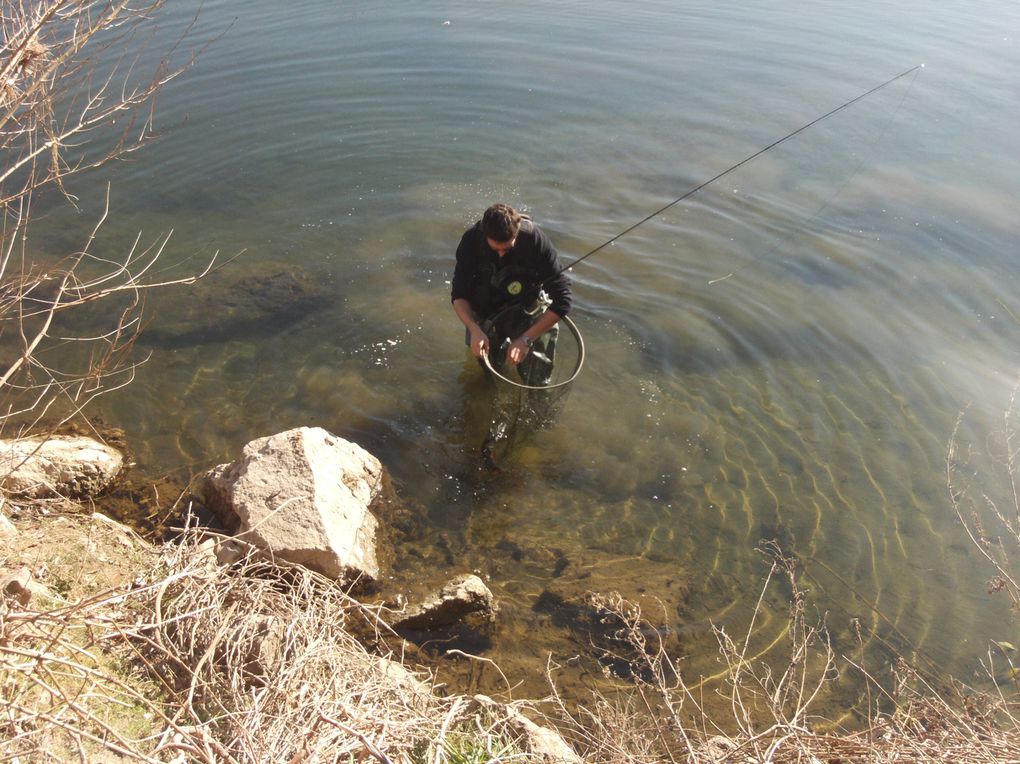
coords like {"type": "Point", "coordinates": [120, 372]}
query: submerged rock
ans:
{"type": "Point", "coordinates": [460, 597]}
{"type": "Point", "coordinates": [245, 299]}
{"type": "Point", "coordinates": [62, 465]}
{"type": "Point", "coordinates": [610, 602]}
{"type": "Point", "coordinates": [303, 496]}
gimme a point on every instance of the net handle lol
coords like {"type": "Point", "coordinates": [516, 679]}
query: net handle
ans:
{"type": "Point", "coordinates": [577, 368]}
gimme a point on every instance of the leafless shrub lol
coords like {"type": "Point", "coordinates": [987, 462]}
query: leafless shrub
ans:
{"type": "Point", "coordinates": [990, 517]}
{"type": "Point", "coordinates": [69, 102]}
{"type": "Point", "coordinates": [662, 717]}
{"type": "Point", "coordinates": [776, 714]}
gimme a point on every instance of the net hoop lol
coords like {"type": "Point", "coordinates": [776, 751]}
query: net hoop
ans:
{"type": "Point", "coordinates": [572, 327]}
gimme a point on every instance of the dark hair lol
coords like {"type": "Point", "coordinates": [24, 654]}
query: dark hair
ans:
{"type": "Point", "coordinates": [501, 222]}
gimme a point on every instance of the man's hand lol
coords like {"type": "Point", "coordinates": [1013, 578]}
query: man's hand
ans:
{"type": "Point", "coordinates": [479, 342]}
{"type": "Point", "coordinates": [517, 351]}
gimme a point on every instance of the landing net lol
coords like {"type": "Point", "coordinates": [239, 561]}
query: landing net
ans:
{"type": "Point", "coordinates": [554, 360]}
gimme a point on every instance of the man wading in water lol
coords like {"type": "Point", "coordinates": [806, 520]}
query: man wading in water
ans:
{"type": "Point", "coordinates": [507, 285]}
{"type": "Point", "coordinates": [505, 264]}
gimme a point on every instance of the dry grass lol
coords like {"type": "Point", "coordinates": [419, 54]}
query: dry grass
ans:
{"type": "Point", "coordinates": [264, 655]}
{"type": "Point", "coordinates": [206, 662]}
{"type": "Point", "coordinates": [66, 693]}
{"type": "Point", "coordinates": [201, 660]}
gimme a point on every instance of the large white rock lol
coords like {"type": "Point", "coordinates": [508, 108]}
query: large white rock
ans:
{"type": "Point", "coordinates": [60, 465]}
{"type": "Point", "coordinates": [303, 496]}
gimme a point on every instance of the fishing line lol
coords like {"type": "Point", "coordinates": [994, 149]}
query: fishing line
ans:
{"type": "Point", "coordinates": [828, 202]}
{"type": "Point", "coordinates": [933, 665]}
{"type": "Point", "coordinates": [730, 169]}
{"type": "Point", "coordinates": [684, 196]}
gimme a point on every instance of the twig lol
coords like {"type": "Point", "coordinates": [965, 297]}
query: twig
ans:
{"type": "Point", "coordinates": [481, 659]}
{"type": "Point", "coordinates": [381, 757]}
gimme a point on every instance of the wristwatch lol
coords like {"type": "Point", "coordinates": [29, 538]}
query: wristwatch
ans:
{"type": "Point", "coordinates": [527, 340]}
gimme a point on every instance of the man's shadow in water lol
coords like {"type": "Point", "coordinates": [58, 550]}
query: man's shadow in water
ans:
{"type": "Point", "coordinates": [501, 418]}
{"type": "Point", "coordinates": [481, 412]}
{"type": "Point", "coordinates": [492, 422]}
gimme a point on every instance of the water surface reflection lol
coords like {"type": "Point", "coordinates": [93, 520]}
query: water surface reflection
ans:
{"type": "Point", "coordinates": [783, 355]}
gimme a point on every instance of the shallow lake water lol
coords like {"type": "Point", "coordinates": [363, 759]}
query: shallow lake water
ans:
{"type": "Point", "coordinates": [782, 355]}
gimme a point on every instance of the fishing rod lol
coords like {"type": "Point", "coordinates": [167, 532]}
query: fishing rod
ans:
{"type": "Point", "coordinates": [536, 289]}
{"type": "Point", "coordinates": [728, 170]}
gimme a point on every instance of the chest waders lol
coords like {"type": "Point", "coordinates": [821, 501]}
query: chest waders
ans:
{"type": "Point", "coordinates": [510, 323]}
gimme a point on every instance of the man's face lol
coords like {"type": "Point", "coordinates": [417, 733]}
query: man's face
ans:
{"type": "Point", "coordinates": [500, 247]}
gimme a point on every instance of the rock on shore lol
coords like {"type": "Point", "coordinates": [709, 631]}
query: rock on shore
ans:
{"type": "Point", "coordinates": [303, 496]}
{"type": "Point", "coordinates": [60, 465]}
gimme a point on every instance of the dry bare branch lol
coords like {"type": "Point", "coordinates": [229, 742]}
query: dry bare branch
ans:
{"type": "Point", "coordinates": [71, 99]}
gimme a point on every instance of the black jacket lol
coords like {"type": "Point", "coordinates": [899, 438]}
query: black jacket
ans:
{"type": "Point", "coordinates": [480, 272]}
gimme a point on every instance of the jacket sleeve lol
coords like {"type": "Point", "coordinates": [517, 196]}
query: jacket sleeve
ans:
{"type": "Point", "coordinates": [464, 270]}
{"type": "Point", "coordinates": [558, 284]}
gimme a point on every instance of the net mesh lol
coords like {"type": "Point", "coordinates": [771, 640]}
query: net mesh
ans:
{"type": "Point", "coordinates": [555, 358]}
